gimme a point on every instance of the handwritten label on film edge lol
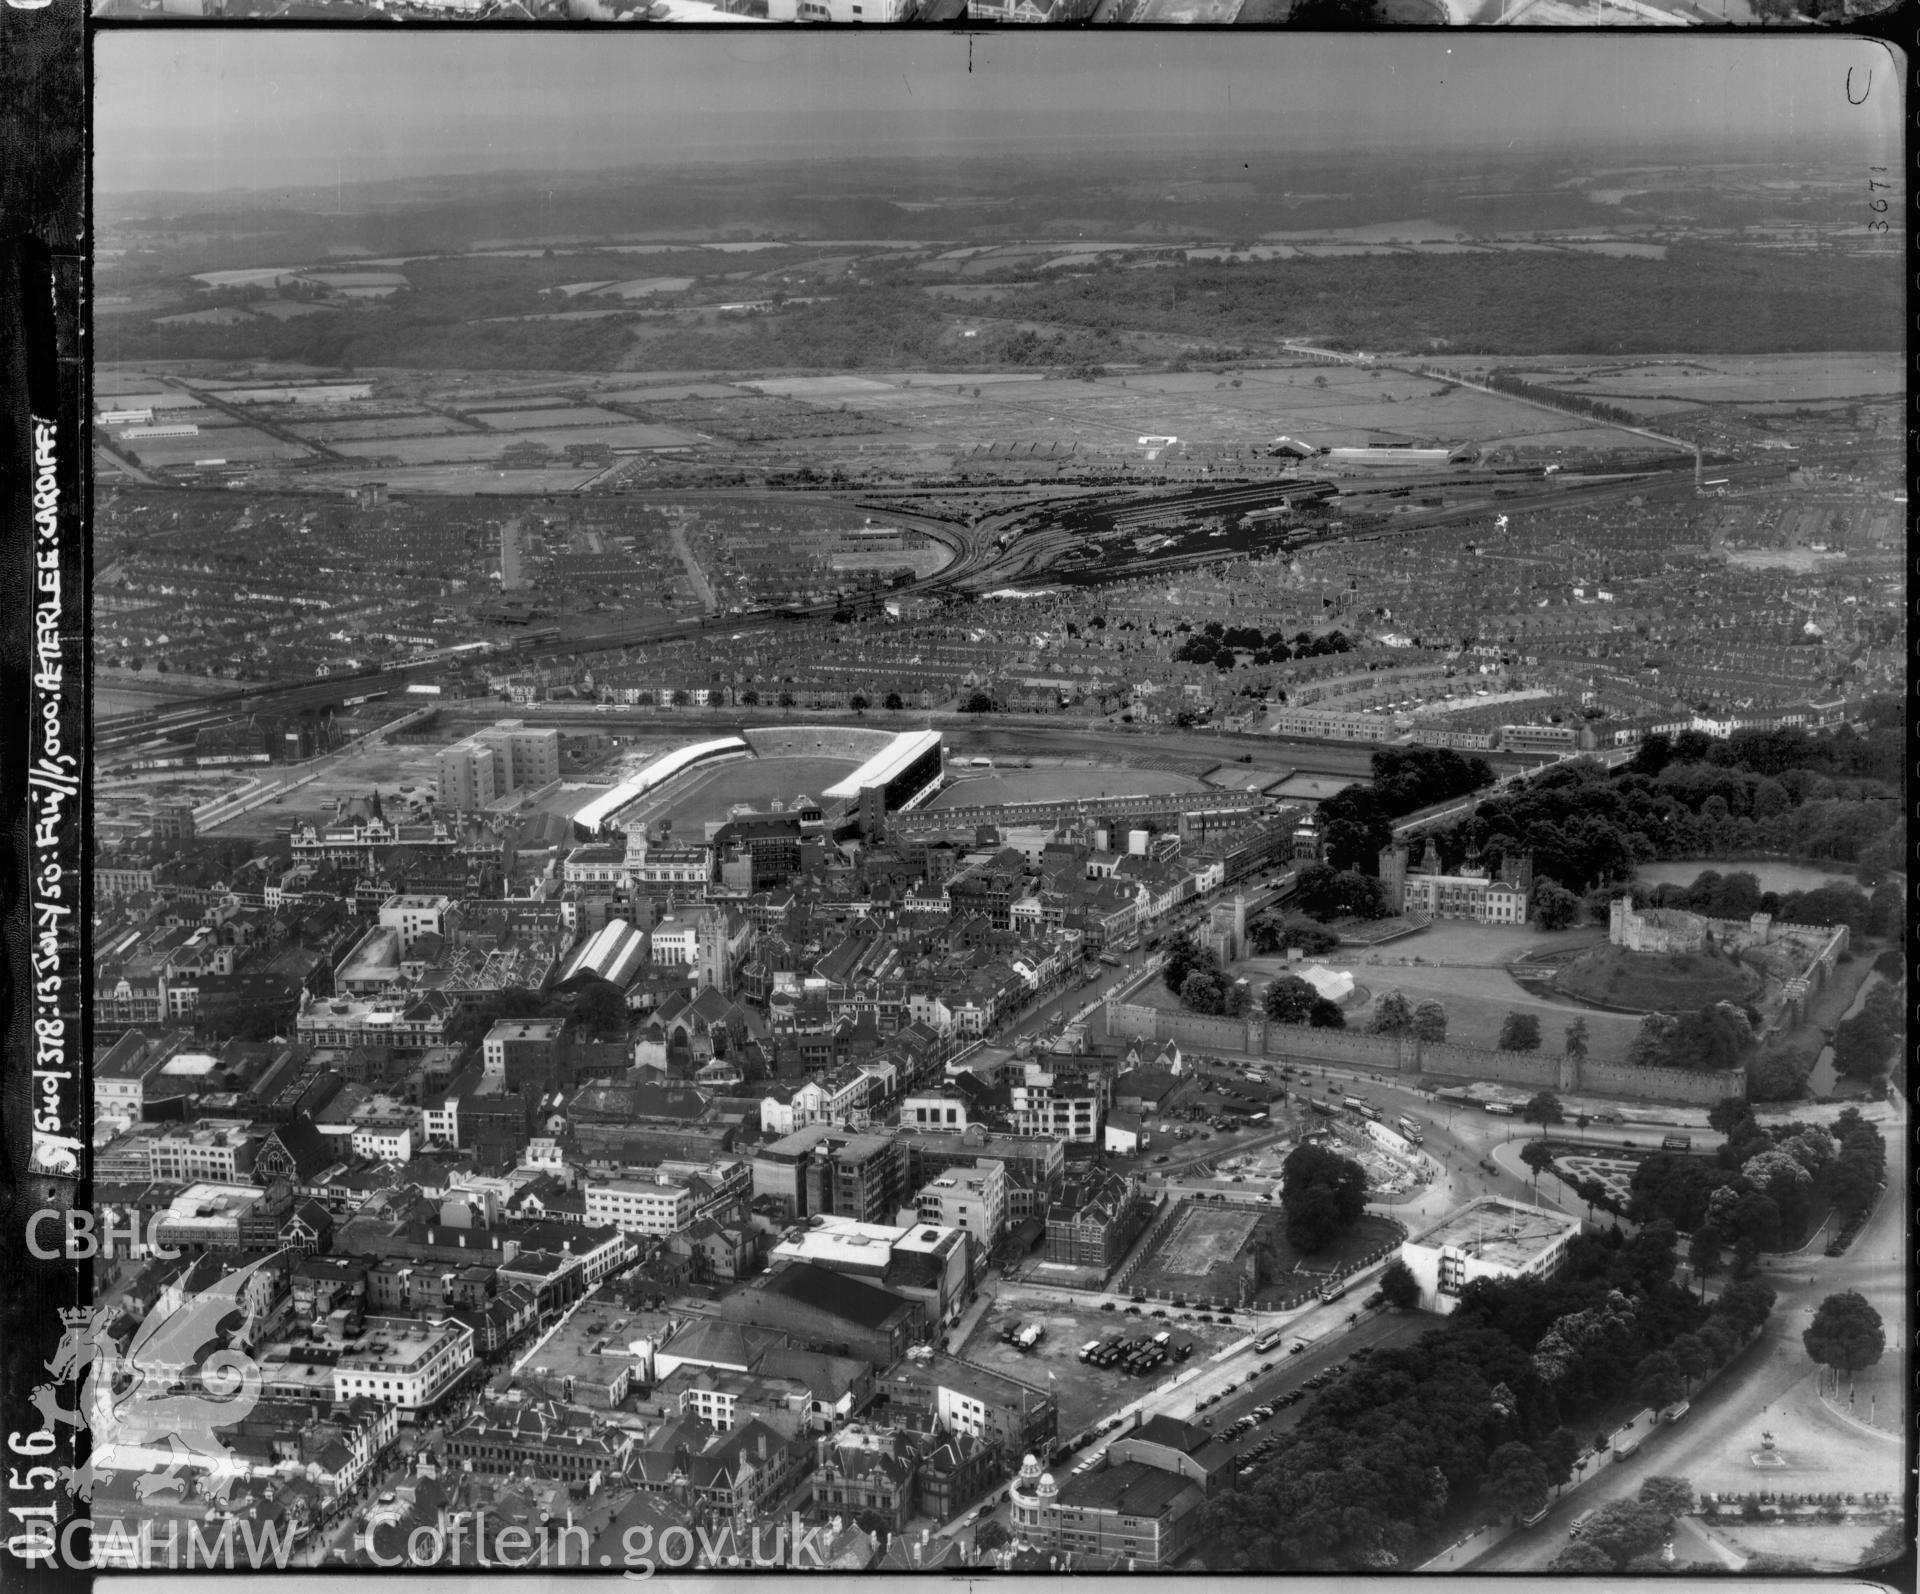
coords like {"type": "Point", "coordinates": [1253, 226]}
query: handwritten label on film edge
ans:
{"type": "Point", "coordinates": [53, 781]}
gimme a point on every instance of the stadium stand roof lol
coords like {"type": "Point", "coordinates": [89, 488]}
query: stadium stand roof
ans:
{"type": "Point", "coordinates": [885, 764]}
{"type": "Point", "coordinates": [660, 770]}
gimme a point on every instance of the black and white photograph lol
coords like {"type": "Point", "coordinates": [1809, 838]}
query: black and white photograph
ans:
{"type": "Point", "coordinates": [943, 804]}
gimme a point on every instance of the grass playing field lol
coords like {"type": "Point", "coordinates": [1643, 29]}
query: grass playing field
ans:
{"type": "Point", "coordinates": [707, 794]}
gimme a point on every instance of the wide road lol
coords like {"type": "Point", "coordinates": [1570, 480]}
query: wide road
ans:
{"type": "Point", "coordinates": [1773, 1387]}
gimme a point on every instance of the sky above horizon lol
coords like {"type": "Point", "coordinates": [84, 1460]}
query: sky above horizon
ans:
{"type": "Point", "coordinates": [201, 110]}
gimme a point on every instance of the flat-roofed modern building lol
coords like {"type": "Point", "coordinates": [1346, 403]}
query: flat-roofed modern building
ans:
{"type": "Point", "coordinates": [414, 914]}
{"type": "Point", "coordinates": [1491, 1238]}
{"type": "Point", "coordinates": [973, 1200]}
{"type": "Point", "coordinates": [214, 1152]}
{"type": "Point", "coordinates": [635, 1205]}
{"type": "Point", "coordinates": [1036, 1164]}
{"type": "Point", "coordinates": [924, 1261]}
{"type": "Point", "coordinates": [406, 1362]}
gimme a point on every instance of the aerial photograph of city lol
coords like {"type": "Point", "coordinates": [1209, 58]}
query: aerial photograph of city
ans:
{"type": "Point", "coordinates": [1111, 803]}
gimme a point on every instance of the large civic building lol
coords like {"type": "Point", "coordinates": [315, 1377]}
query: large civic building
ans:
{"type": "Point", "coordinates": [1491, 1238]}
{"type": "Point", "coordinates": [1473, 893]}
{"type": "Point", "coordinates": [510, 756]}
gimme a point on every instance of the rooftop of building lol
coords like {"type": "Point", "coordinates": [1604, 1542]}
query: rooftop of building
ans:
{"type": "Point", "coordinates": [843, 1296]}
{"type": "Point", "coordinates": [204, 1201]}
{"type": "Point", "coordinates": [1130, 1487]}
{"type": "Point", "coordinates": [1497, 1231]}
{"type": "Point", "coordinates": [1160, 1429]}
{"type": "Point", "coordinates": [896, 756]}
{"type": "Point", "coordinates": [526, 1029]}
{"type": "Point", "coordinates": [966, 1378]}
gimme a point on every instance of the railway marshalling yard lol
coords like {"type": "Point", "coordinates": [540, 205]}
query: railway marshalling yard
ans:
{"type": "Point", "coordinates": [697, 462]}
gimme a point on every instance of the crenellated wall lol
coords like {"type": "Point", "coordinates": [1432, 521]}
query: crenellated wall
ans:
{"type": "Point", "coordinates": [1257, 1037]}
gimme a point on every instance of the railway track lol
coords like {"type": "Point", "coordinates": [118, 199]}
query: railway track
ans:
{"type": "Point", "coordinates": [981, 561]}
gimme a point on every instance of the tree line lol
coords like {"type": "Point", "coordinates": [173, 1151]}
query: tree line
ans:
{"type": "Point", "coordinates": [1587, 829]}
{"type": "Point", "coordinates": [1763, 1186]}
{"type": "Point", "coordinates": [1384, 1458]}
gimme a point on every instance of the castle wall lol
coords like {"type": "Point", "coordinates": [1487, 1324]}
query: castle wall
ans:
{"type": "Point", "coordinates": [1532, 1070]}
{"type": "Point", "coordinates": [1819, 947]}
{"type": "Point", "coordinates": [1663, 1084]}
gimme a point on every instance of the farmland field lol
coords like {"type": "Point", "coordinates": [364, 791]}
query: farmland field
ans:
{"type": "Point", "coordinates": [679, 390]}
{"type": "Point", "coordinates": [282, 310]}
{"type": "Point", "coordinates": [119, 385]}
{"type": "Point", "coordinates": [818, 386]}
{"type": "Point", "coordinates": [531, 419]}
{"type": "Point", "coordinates": [150, 398]}
{"type": "Point", "coordinates": [474, 447]}
{"type": "Point", "coordinates": [476, 479]}
{"type": "Point", "coordinates": [236, 442]}
{"type": "Point", "coordinates": [397, 426]}
{"type": "Point", "coordinates": [1714, 378]}
{"type": "Point", "coordinates": [206, 318]}
{"type": "Point", "coordinates": [517, 401]}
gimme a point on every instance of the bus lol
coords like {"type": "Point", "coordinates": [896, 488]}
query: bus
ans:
{"type": "Point", "coordinates": [1410, 1129]}
{"type": "Point", "coordinates": [1268, 1341]}
{"type": "Point", "coordinates": [1333, 1292]}
{"type": "Point", "coordinates": [1356, 1105]}
{"type": "Point", "coordinates": [1676, 1143]}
